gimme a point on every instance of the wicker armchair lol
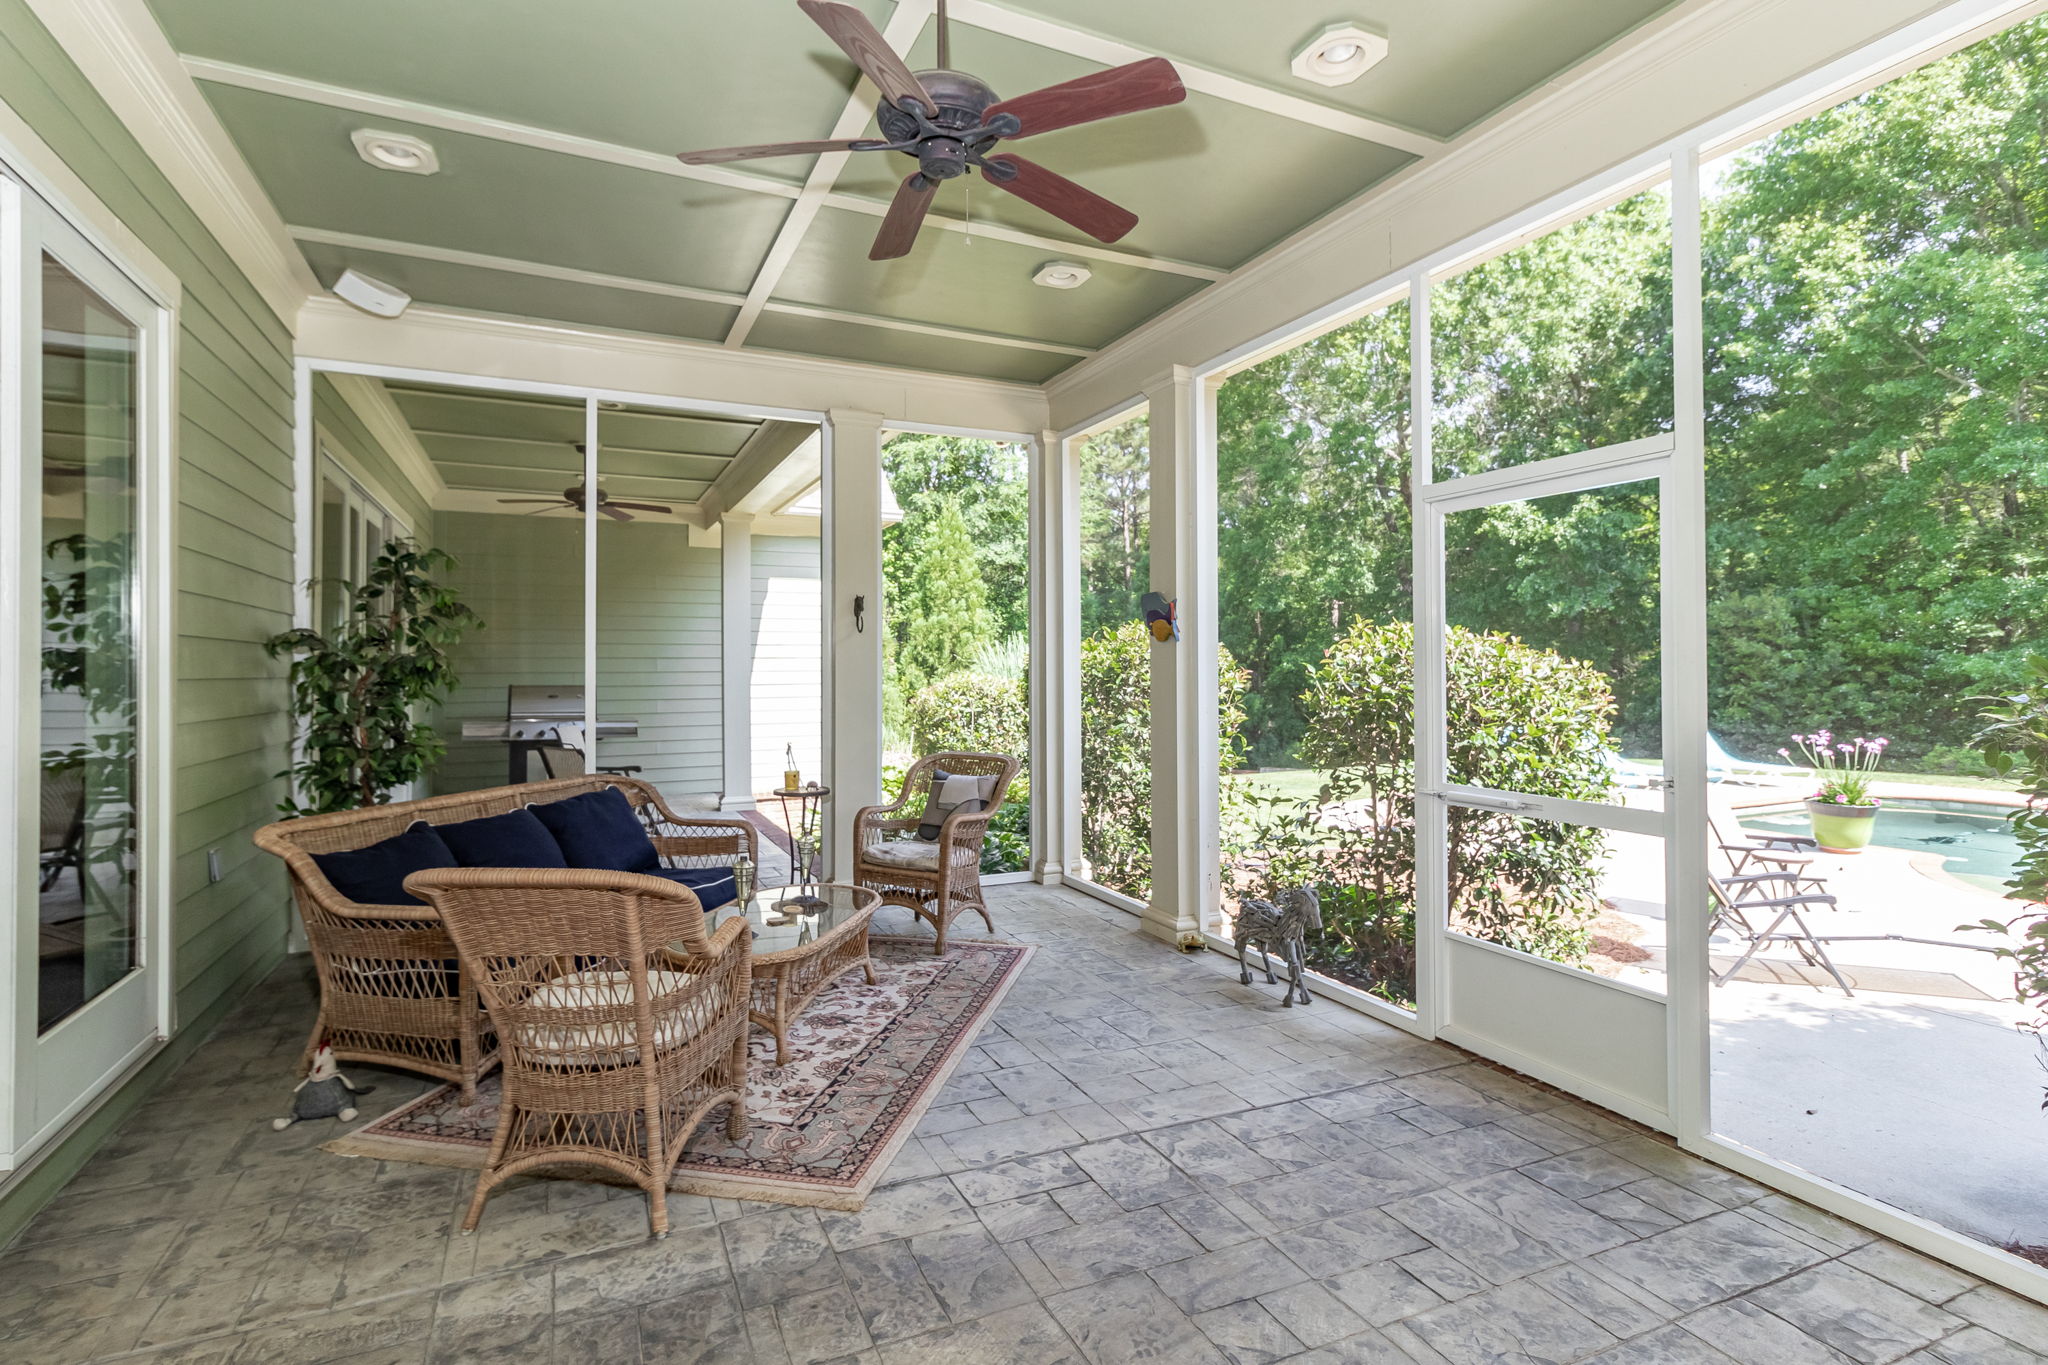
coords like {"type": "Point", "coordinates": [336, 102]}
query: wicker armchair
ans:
{"type": "Point", "coordinates": [621, 1024]}
{"type": "Point", "coordinates": [951, 882]}
{"type": "Point", "coordinates": [391, 990]}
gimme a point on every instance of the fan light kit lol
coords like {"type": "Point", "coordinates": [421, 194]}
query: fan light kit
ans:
{"type": "Point", "coordinates": [950, 122]}
{"type": "Point", "coordinates": [371, 295]}
{"type": "Point", "coordinates": [577, 496]}
{"type": "Point", "coordinates": [1061, 275]}
{"type": "Point", "coordinates": [395, 151]}
{"type": "Point", "coordinates": [1339, 55]}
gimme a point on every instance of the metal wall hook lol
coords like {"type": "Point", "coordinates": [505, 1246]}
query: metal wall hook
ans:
{"type": "Point", "coordinates": [860, 614]}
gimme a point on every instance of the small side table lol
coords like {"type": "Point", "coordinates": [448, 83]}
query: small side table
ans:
{"type": "Point", "coordinates": [802, 944]}
{"type": "Point", "coordinates": [805, 828]}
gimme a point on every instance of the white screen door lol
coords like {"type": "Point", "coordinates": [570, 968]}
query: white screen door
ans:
{"type": "Point", "coordinates": [78, 346]}
{"type": "Point", "coordinates": [1544, 813]}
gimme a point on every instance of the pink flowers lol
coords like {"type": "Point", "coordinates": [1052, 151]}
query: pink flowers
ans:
{"type": "Point", "coordinates": [1845, 767]}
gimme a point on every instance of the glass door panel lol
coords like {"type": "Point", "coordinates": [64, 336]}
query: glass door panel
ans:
{"type": "Point", "coordinates": [87, 912]}
{"type": "Point", "coordinates": [659, 661]}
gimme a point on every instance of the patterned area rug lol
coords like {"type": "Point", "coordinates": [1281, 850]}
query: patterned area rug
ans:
{"type": "Point", "coordinates": [865, 1063]}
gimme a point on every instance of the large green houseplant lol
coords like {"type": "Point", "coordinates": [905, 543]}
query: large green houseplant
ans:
{"type": "Point", "coordinates": [357, 687]}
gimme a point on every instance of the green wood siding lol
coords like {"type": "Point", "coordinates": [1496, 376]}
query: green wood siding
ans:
{"type": "Point", "coordinates": [234, 566]}
{"type": "Point", "coordinates": [364, 456]}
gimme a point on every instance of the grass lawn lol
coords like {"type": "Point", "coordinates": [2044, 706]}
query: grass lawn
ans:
{"type": "Point", "coordinates": [1301, 784]}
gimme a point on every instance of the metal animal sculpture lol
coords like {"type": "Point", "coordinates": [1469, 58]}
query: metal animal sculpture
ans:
{"type": "Point", "coordinates": [1283, 924]}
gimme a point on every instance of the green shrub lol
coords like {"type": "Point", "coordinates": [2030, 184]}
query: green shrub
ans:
{"type": "Point", "coordinates": [976, 713]}
{"type": "Point", "coordinates": [973, 713]}
{"type": "Point", "coordinates": [1520, 719]}
{"type": "Point", "coordinates": [2015, 745]}
{"type": "Point", "coordinates": [1116, 751]}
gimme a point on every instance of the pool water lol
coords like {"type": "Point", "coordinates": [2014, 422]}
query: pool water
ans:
{"type": "Point", "coordinates": [1976, 848]}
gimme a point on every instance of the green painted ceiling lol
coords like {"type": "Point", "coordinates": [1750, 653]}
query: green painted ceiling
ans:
{"type": "Point", "coordinates": [1214, 182]}
{"type": "Point", "coordinates": [517, 445]}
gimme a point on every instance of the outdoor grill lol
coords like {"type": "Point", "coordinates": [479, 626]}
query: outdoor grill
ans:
{"type": "Point", "coordinates": [534, 716]}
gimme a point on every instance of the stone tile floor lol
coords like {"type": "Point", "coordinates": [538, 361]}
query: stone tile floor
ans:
{"type": "Point", "coordinates": [1140, 1161]}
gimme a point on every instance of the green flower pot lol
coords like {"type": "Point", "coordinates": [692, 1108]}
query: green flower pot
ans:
{"type": "Point", "coordinates": [1842, 829]}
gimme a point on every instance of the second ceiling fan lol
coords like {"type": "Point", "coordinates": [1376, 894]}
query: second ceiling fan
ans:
{"type": "Point", "coordinates": [951, 122]}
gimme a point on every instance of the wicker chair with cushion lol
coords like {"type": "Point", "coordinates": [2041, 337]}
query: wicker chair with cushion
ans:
{"type": "Point", "coordinates": [922, 850]}
{"type": "Point", "coordinates": [621, 1023]}
{"type": "Point", "coordinates": [391, 988]}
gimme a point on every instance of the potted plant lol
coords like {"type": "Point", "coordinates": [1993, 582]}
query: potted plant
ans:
{"type": "Point", "coordinates": [355, 689]}
{"type": "Point", "coordinates": [1843, 811]}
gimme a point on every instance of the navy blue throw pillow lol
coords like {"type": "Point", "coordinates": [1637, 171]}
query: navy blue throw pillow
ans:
{"type": "Point", "coordinates": [599, 829]}
{"type": "Point", "coordinates": [713, 885]}
{"type": "Point", "coordinates": [376, 875]}
{"type": "Point", "coordinates": [514, 839]}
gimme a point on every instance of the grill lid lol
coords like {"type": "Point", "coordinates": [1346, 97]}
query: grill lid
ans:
{"type": "Point", "coordinates": [544, 702]}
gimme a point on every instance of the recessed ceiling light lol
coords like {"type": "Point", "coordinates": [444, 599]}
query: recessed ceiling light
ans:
{"type": "Point", "coordinates": [396, 151]}
{"type": "Point", "coordinates": [1339, 55]}
{"type": "Point", "coordinates": [1062, 275]}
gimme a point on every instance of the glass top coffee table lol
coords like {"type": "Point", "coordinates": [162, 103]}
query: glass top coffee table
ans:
{"type": "Point", "coordinates": [805, 938]}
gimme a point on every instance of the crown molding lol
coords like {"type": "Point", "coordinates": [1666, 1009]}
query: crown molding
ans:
{"type": "Point", "coordinates": [375, 408]}
{"type": "Point", "coordinates": [1672, 75]}
{"type": "Point", "coordinates": [129, 61]}
{"type": "Point", "coordinates": [517, 350]}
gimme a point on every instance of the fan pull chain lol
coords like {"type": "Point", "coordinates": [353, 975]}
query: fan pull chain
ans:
{"type": "Point", "coordinates": [967, 208]}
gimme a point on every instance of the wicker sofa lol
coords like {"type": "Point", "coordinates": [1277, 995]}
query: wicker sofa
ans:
{"type": "Point", "coordinates": [392, 989]}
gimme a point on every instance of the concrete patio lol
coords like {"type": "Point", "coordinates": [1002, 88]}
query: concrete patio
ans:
{"type": "Point", "coordinates": [1145, 1161]}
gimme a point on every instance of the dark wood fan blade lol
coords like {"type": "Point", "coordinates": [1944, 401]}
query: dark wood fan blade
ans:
{"type": "Point", "coordinates": [898, 232]}
{"type": "Point", "coordinates": [641, 506]}
{"type": "Point", "coordinates": [612, 512]}
{"type": "Point", "coordinates": [1150, 84]}
{"type": "Point", "coordinates": [717, 154]}
{"type": "Point", "coordinates": [857, 38]}
{"type": "Point", "coordinates": [1063, 199]}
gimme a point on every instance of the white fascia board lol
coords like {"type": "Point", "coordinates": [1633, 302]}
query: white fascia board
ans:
{"type": "Point", "coordinates": [631, 365]}
{"type": "Point", "coordinates": [125, 55]}
{"type": "Point", "coordinates": [1676, 74]}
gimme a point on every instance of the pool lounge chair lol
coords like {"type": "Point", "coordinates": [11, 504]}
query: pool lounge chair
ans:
{"type": "Point", "coordinates": [1723, 766]}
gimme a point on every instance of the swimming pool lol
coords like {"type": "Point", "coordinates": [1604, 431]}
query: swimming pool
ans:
{"type": "Point", "coordinates": [1976, 845]}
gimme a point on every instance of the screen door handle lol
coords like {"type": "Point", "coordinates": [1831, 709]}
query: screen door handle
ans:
{"type": "Point", "coordinates": [1485, 802]}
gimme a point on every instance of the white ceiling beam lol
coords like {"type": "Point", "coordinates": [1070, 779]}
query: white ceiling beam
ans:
{"type": "Point", "coordinates": [122, 52]}
{"type": "Point", "coordinates": [569, 274]}
{"type": "Point", "coordinates": [1061, 38]}
{"type": "Point", "coordinates": [477, 125]}
{"type": "Point", "coordinates": [855, 203]}
{"type": "Point", "coordinates": [761, 469]}
{"type": "Point", "coordinates": [633, 158]}
{"type": "Point", "coordinates": [905, 23]}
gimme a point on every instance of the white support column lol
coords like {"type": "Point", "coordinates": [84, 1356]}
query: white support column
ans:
{"type": "Point", "coordinates": [853, 641]}
{"type": "Point", "coordinates": [1185, 877]}
{"type": "Point", "coordinates": [1055, 659]}
{"type": "Point", "coordinates": [1684, 578]}
{"type": "Point", "coordinates": [736, 657]}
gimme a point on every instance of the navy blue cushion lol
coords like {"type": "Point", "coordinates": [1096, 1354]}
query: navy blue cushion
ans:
{"type": "Point", "coordinates": [514, 839]}
{"type": "Point", "coordinates": [599, 829]}
{"type": "Point", "coordinates": [376, 875]}
{"type": "Point", "coordinates": [713, 885]}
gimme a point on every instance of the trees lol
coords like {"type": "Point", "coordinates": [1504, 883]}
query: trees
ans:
{"type": "Point", "coordinates": [1116, 552]}
{"type": "Point", "coordinates": [1877, 325]}
{"type": "Point", "coordinates": [946, 619]}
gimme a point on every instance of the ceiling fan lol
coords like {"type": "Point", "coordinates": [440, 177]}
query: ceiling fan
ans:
{"type": "Point", "coordinates": [574, 496]}
{"type": "Point", "coordinates": [951, 121]}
